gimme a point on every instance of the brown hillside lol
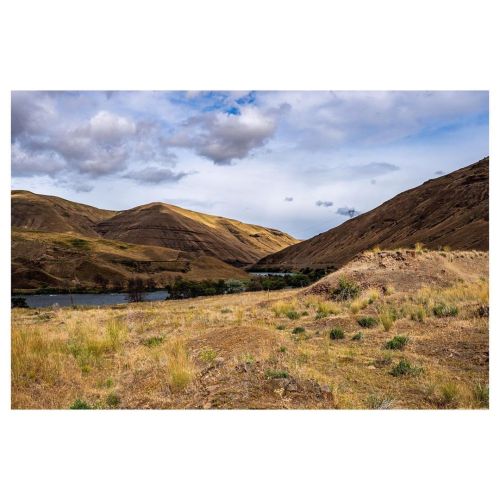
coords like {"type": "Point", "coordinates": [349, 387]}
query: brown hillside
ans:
{"type": "Point", "coordinates": [407, 270]}
{"type": "Point", "coordinates": [156, 224]}
{"type": "Point", "coordinates": [451, 210]}
{"type": "Point", "coordinates": [62, 261]}
{"type": "Point", "coordinates": [50, 213]}
{"type": "Point", "coordinates": [173, 227]}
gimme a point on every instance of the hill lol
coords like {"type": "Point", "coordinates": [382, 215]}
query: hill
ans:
{"type": "Point", "coordinates": [157, 224]}
{"type": "Point", "coordinates": [169, 226]}
{"type": "Point", "coordinates": [62, 261]}
{"type": "Point", "coordinates": [451, 210]}
{"type": "Point", "coordinates": [51, 213]}
{"type": "Point", "coordinates": [407, 270]}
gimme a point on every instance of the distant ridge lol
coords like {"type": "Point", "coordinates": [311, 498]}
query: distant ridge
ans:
{"type": "Point", "coordinates": [451, 210]}
{"type": "Point", "coordinates": [157, 224]}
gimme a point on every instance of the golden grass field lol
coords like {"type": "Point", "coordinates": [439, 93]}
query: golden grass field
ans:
{"type": "Point", "coordinates": [427, 349]}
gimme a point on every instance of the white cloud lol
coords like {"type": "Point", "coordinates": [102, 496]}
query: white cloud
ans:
{"type": "Point", "coordinates": [223, 137]}
{"type": "Point", "coordinates": [110, 128]}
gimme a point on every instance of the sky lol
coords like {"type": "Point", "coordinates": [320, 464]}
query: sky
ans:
{"type": "Point", "coordinates": [299, 161]}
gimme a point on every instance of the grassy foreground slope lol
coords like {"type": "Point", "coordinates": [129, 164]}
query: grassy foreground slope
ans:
{"type": "Point", "coordinates": [387, 345]}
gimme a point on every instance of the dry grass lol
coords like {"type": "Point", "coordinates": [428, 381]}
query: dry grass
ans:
{"type": "Point", "coordinates": [227, 351]}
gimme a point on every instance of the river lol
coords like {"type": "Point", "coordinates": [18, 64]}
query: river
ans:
{"type": "Point", "coordinates": [86, 299]}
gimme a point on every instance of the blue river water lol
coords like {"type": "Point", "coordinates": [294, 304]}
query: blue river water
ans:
{"type": "Point", "coordinates": [86, 299]}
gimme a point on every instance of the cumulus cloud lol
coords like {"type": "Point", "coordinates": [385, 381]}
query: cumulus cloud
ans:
{"type": "Point", "coordinates": [348, 212]}
{"type": "Point", "coordinates": [106, 127]}
{"type": "Point", "coordinates": [153, 175]}
{"type": "Point", "coordinates": [223, 137]}
{"type": "Point", "coordinates": [48, 142]}
{"type": "Point", "coordinates": [320, 203]}
{"type": "Point", "coordinates": [288, 198]}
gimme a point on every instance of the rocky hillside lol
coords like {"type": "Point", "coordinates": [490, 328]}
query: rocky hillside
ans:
{"type": "Point", "coordinates": [451, 210]}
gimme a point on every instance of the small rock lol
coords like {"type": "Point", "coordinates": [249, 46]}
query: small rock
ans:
{"type": "Point", "coordinates": [371, 367]}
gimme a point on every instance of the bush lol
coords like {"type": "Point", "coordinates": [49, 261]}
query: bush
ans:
{"type": "Point", "coordinates": [405, 368]}
{"type": "Point", "coordinates": [298, 329]}
{"type": "Point", "coordinates": [79, 404]}
{"type": "Point", "coordinates": [336, 334]}
{"type": "Point", "coordinates": [292, 315]}
{"type": "Point", "coordinates": [357, 336]}
{"type": "Point", "coordinates": [346, 290]}
{"type": "Point", "coordinates": [398, 342]}
{"type": "Point", "coordinates": [280, 327]}
{"type": "Point", "coordinates": [234, 286]}
{"type": "Point", "coordinates": [271, 374]}
{"type": "Point", "coordinates": [18, 302]}
{"type": "Point", "coordinates": [153, 341]}
{"type": "Point", "coordinates": [208, 355]}
{"type": "Point", "coordinates": [113, 400]}
{"type": "Point", "coordinates": [442, 310]}
{"type": "Point", "coordinates": [367, 322]}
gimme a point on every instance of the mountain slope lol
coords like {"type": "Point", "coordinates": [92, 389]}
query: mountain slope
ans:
{"type": "Point", "coordinates": [156, 224]}
{"type": "Point", "coordinates": [51, 213]}
{"type": "Point", "coordinates": [168, 226]}
{"type": "Point", "coordinates": [62, 261]}
{"type": "Point", "coordinates": [450, 210]}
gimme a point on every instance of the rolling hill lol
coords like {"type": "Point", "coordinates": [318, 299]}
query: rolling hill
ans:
{"type": "Point", "coordinates": [57, 243]}
{"type": "Point", "coordinates": [451, 210]}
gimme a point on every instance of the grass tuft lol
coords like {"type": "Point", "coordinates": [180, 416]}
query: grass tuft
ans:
{"type": "Point", "coordinates": [405, 368]}
{"type": "Point", "coordinates": [397, 343]}
{"type": "Point", "coordinates": [367, 322]}
{"type": "Point", "coordinates": [337, 334]}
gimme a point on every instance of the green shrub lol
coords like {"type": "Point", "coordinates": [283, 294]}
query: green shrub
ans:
{"type": "Point", "coordinates": [336, 334]}
{"type": "Point", "coordinates": [299, 329]}
{"type": "Point", "coordinates": [153, 341]}
{"type": "Point", "coordinates": [113, 400]}
{"type": "Point", "coordinates": [367, 322]}
{"type": "Point", "coordinates": [79, 404]}
{"type": "Point", "coordinates": [292, 315]}
{"type": "Point", "coordinates": [270, 374]}
{"type": "Point", "coordinates": [442, 310]}
{"type": "Point", "coordinates": [398, 342]}
{"type": "Point", "coordinates": [225, 311]}
{"type": "Point", "coordinates": [208, 355]}
{"type": "Point", "coordinates": [405, 368]}
{"type": "Point", "coordinates": [321, 315]}
{"type": "Point", "coordinates": [346, 290]}
{"type": "Point", "coordinates": [280, 327]}
{"type": "Point", "coordinates": [357, 336]}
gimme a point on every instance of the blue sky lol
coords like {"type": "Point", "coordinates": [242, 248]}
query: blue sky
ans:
{"type": "Point", "coordinates": [302, 162]}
